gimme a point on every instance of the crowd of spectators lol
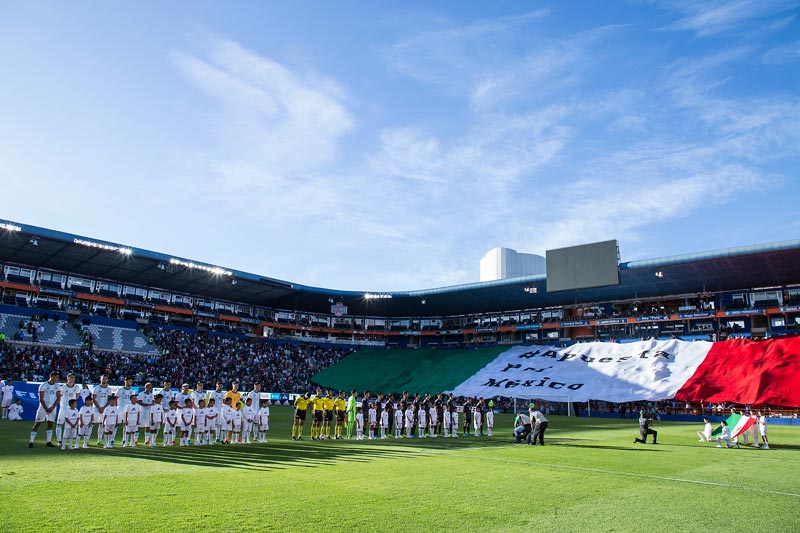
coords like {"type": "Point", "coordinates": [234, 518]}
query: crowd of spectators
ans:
{"type": "Point", "coordinates": [184, 358]}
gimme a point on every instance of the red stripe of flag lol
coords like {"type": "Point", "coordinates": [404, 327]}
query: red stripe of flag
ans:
{"type": "Point", "coordinates": [745, 371]}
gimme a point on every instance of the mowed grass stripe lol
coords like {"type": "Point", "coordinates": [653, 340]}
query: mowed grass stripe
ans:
{"type": "Point", "coordinates": [589, 477]}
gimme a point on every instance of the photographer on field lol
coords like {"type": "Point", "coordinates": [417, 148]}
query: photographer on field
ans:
{"type": "Point", "coordinates": [645, 421]}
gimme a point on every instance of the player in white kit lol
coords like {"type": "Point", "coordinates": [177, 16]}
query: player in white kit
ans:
{"type": "Point", "coordinates": [477, 420]}
{"type": "Point", "coordinates": [171, 419]}
{"type": "Point", "coordinates": [154, 420]}
{"type": "Point", "coordinates": [433, 420]}
{"type": "Point", "coordinates": [186, 421]}
{"type": "Point", "coordinates": [227, 421]}
{"type": "Point", "coordinates": [71, 421]}
{"type": "Point", "coordinates": [454, 420]}
{"type": "Point", "coordinates": [373, 420]}
{"type": "Point", "coordinates": [146, 401]}
{"type": "Point", "coordinates": [422, 423]}
{"type": "Point", "coordinates": [124, 394]}
{"type": "Point", "coordinates": [490, 418]}
{"type": "Point", "coordinates": [237, 420]}
{"type": "Point", "coordinates": [255, 396]}
{"type": "Point", "coordinates": [448, 421]}
{"type": "Point", "coordinates": [409, 419]}
{"type": "Point", "coordinates": [384, 422]}
{"type": "Point", "coordinates": [398, 422]}
{"type": "Point", "coordinates": [198, 394]}
{"type": "Point", "coordinates": [762, 429]}
{"type": "Point", "coordinates": [263, 421]}
{"type": "Point", "coordinates": [249, 415]}
{"type": "Point", "coordinates": [15, 411]}
{"type": "Point", "coordinates": [49, 397]}
{"type": "Point", "coordinates": [87, 420]}
{"type": "Point", "coordinates": [69, 391]}
{"type": "Point", "coordinates": [217, 396]}
{"type": "Point", "coordinates": [109, 422]}
{"type": "Point", "coordinates": [200, 423]}
{"type": "Point", "coordinates": [131, 419]}
{"type": "Point", "coordinates": [100, 394]}
{"type": "Point", "coordinates": [7, 394]}
{"type": "Point", "coordinates": [360, 424]}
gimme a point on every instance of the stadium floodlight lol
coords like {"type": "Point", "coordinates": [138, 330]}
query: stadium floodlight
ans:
{"type": "Point", "coordinates": [659, 273]}
{"type": "Point", "coordinates": [10, 227]}
{"type": "Point", "coordinates": [103, 246]}
{"type": "Point", "coordinates": [34, 240]}
{"type": "Point", "coordinates": [423, 301]}
{"type": "Point", "coordinates": [531, 290]}
{"type": "Point", "coordinates": [217, 271]}
{"type": "Point", "coordinates": [373, 296]}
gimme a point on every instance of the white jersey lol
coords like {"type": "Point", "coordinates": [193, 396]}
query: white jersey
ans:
{"type": "Point", "coordinates": [384, 418]}
{"type": "Point", "coordinates": [187, 417]}
{"type": "Point", "coordinates": [255, 396]}
{"type": "Point", "coordinates": [250, 413]}
{"type": "Point", "coordinates": [133, 414]}
{"type": "Point", "coordinates": [85, 393]}
{"type": "Point", "coordinates": [124, 398]}
{"type": "Point", "coordinates": [156, 415]}
{"type": "Point", "coordinates": [7, 393]}
{"type": "Point", "coordinates": [490, 419]}
{"type": "Point", "coordinates": [15, 412]}
{"type": "Point", "coordinates": [181, 397]}
{"type": "Point", "coordinates": [432, 416]}
{"type": "Point", "coordinates": [146, 399]}
{"type": "Point", "coordinates": [50, 393]}
{"type": "Point", "coordinates": [398, 418]}
{"type": "Point", "coordinates": [409, 418]}
{"type": "Point", "coordinates": [110, 416]}
{"type": "Point", "coordinates": [101, 395]}
{"type": "Point", "coordinates": [422, 418]}
{"type": "Point", "coordinates": [359, 421]}
{"type": "Point", "coordinates": [197, 396]}
{"type": "Point", "coordinates": [86, 415]}
{"type": "Point", "coordinates": [762, 425]}
{"type": "Point", "coordinates": [373, 416]}
{"type": "Point", "coordinates": [171, 420]}
{"type": "Point", "coordinates": [69, 393]}
{"type": "Point", "coordinates": [219, 399]}
{"type": "Point", "coordinates": [168, 397]}
{"type": "Point", "coordinates": [72, 416]}
{"type": "Point", "coordinates": [263, 416]}
{"type": "Point", "coordinates": [200, 418]}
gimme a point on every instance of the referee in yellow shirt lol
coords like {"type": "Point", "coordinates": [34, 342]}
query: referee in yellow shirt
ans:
{"type": "Point", "coordinates": [327, 408]}
{"type": "Point", "coordinates": [317, 408]}
{"type": "Point", "coordinates": [300, 408]}
{"type": "Point", "coordinates": [339, 409]}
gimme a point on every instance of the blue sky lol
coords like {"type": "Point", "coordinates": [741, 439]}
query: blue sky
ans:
{"type": "Point", "coordinates": [389, 145]}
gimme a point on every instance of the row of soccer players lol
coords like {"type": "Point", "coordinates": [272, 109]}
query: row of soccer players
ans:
{"type": "Point", "coordinates": [147, 411]}
{"type": "Point", "coordinates": [230, 425]}
{"type": "Point", "coordinates": [422, 422]}
{"type": "Point", "coordinates": [420, 417]}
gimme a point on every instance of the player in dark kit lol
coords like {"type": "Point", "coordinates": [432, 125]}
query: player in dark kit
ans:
{"type": "Point", "coordinates": [467, 416]}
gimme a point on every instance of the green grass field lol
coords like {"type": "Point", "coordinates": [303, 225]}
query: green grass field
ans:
{"type": "Point", "coordinates": [589, 477]}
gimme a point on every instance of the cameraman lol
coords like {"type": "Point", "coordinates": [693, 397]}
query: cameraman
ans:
{"type": "Point", "coordinates": [522, 427]}
{"type": "Point", "coordinates": [645, 421]}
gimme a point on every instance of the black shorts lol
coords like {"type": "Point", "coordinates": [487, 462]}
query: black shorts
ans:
{"type": "Point", "coordinates": [300, 414]}
{"type": "Point", "coordinates": [340, 415]}
{"type": "Point", "coordinates": [328, 416]}
{"type": "Point", "coordinates": [317, 416]}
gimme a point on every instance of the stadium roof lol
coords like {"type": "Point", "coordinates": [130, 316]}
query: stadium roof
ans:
{"type": "Point", "coordinates": [776, 264]}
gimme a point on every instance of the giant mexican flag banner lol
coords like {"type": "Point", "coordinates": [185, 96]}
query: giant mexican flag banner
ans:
{"type": "Point", "coordinates": [737, 370]}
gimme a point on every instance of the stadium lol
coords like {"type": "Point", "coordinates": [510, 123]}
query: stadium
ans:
{"type": "Point", "coordinates": [78, 304]}
{"type": "Point", "coordinates": [400, 266]}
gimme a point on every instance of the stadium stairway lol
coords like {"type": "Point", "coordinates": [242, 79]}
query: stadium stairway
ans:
{"type": "Point", "coordinates": [50, 332]}
{"type": "Point", "coordinates": [112, 338]}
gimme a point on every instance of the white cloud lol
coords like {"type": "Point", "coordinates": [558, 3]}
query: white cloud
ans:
{"type": "Point", "coordinates": [711, 18]}
{"type": "Point", "coordinates": [277, 126]}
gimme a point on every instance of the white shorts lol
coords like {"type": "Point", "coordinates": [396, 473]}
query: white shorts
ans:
{"type": "Point", "coordinates": [762, 430]}
{"type": "Point", "coordinates": [132, 429]}
{"type": "Point", "coordinates": [6, 402]}
{"type": "Point", "coordinates": [44, 416]}
{"type": "Point", "coordinates": [263, 426]}
{"type": "Point", "coordinates": [85, 431]}
{"type": "Point", "coordinates": [237, 427]}
{"type": "Point", "coordinates": [70, 433]}
{"type": "Point", "coordinates": [62, 416]}
{"type": "Point", "coordinates": [109, 428]}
